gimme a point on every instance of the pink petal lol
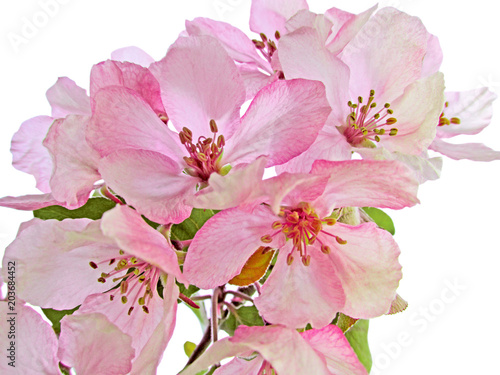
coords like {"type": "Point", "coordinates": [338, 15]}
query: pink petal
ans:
{"type": "Point", "coordinates": [269, 16]}
{"type": "Point", "coordinates": [94, 346]}
{"type": "Point", "coordinates": [75, 162]}
{"type": "Point", "coordinates": [126, 74]}
{"type": "Point", "coordinates": [200, 82]}
{"type": "Point", "coordinates": [345, 27]}
{"type": "Point", "coordinates": [148, 360]}
{"type": "Point", "coordinates": [150, 182]}
{"type": "Point", "coordinates": [282, 121]}
{"type": "Point", "coordinates": [132, 54]}
{"type": "Point", "coordinates": [433, 57]}
{"type": "Point", "coordinates": [362, 183]}
{"type": "Point", "coordinates": [124, 120]}
{"type": "Point", "coordinates": [28, 153]}
{"type": "Point", "coordinates": [417, 112]}
{"type": "Point", "coordinates": [328, 146]}
{"type": "Point", "coordinates": [228, 191]}
{"type": "Point", "coordinates": [340, 357]}
{"type": "Point", "coordinates": [53, 258]}
{"type": "Point", "coordinates": [368, 268]}
{"type": "Point", "coordinates": [134, 236]}
{"type": "Point", "coordinates": [35, 342]}
{"type": "Point", "coordinates": [303, 55]}
{"type": "Point", "coordinates": [474, 108]}
{"type": "Point", "coordinates": [469, 151]}
{"type": "Point", "coordinates": [389, 59]}
{"type": "Point", "coordinates": [66, 98]}
{"type": "Point", "coordinates": [304, 18]}
{"type": "Point", "coordinates": [295, 295]}
{"type": "Point", "coordinates": [30, 202]}
{"type": "Point", "coordinates": [254, 79]}
{"type": "Point", "coordinates": [222, 246]}
{"type": "Point", "coordinates": [241, 367]}
{"type": "Point", "coordinates": [238, 46]}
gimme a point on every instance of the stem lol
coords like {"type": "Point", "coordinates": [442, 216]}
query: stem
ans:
{"type": "Point", "coordinates": [257, 287]}
{"type": "Point", "coordinates": [200, 298]}
{"type": "Point", "coordinates": [200, 348]}
{"type": "Point", "coordinates": [233, 310]}
{"type": "Point", "coordinates": [215, 315]}
{"type": "Point", "coordinates": [239, 294]}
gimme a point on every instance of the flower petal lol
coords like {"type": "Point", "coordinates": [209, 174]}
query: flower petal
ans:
{"type": "Point", "coordinates": [417, 112]}
{"type": "Point", "coordinates": [469, 151]}
{"type": "Point", "coordinates": [36, 342]}
{"type": "Point", "coordinates": [124, 120]}
{"type": "Point", "coordinates": [94, 346]}
{"type": "Point", "coordinates": [132, 54]}
{"type": "Point", "coordinates": [368, 268]}
{"type": "Point", "coordinates": [304, 18]}
{"type": "Point", "coordinates": [75, 162]}
{"type": "Point", "coordinates": [474, 108]}
{"type": "Point", "coordinates": [282, 121]}
{"type": "Point", "coordinates": [295, 295]}
{"type": "Point", "coordinates": [340, 357]}
{"type": "Point", "coordinates": [30, 202]}
{"type": "Point", "coordinates": [269, 16]}
{"type": "Point", "coordinates": [129, 75]}
{"type": "Point", "coordinates": [46, 250]}
{"type": "Point", "coordinates": [134, 236]}
{"type": "Point", "coordinates": [225, 242]}
{"type": "Point", "coordinates": [66, 98]}
{"type": "Point", "coordinates": [433, 58]}
{"type": "Point", "coordinates": [200, 82]}
{"type": "Point", "coordinates": [241, 367]}
{"type": "Point", "coordinates": [362, 183]}
{"type": "Point", "coordinates": [28, 153]}
{"type": "Point", "coordinates": [150, 182]}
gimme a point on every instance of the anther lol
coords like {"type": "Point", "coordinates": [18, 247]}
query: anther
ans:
{"type": "Point", "coordinates": [263, 37]}
{"type": "Point", "coordinates": [101, 280]}
{"type": "Point", "coordinates": [391, 121]}
{"type": "Point", "coordinates": [213, 126]}
{"type": "Point", "coordinates": [277, 35]}
{"type": "Point", "coordinates": [93, 265]}
{"type": "Point", "coordinates": [325, 249]}
{"type": "Point", "coordinates": [393, 132]}
{"type": "Point", "coordinates": [124, 287]}
{"type": "Point", "coordinates": [455, 120]}
{"type": "Point", "coordinates": [277, 225]}
{"type": "Point", "coordinates": [145, 309]}
{"type": "Point", "coordinates": [124, 299]}
{"type": "Point", "coordinates": [306, 260]}
{"type": "Point", "coordinates": [266, 239]}
{"type": "Point", "coordinates": [289, 259]}
{"type": "Point", "coordinates": [130, 310]}
{"type": "Point", "coordinates": [340, 240]}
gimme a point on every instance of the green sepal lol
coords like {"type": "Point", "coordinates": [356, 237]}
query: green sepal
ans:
{"type": "Point", "coordinates": [248, 315]}
{"type": "Point", "coordinates": [189, 348]}
{"type": "Point", "coordinates": [93, 209]}
{"type": "Point", "coordinates": [188, 228]}
{"type": "Point", "coordinates": [357, 336]}
{"type": "Point", "coordinates": [55, 317]}
{"type": "Point", "coordinates": [189, 291]}
{"type": "Point", "coordinates": [380, 218]}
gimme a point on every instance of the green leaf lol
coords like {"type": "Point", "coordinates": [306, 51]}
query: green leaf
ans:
{"type": "Point", "coordinates": [380, 218]}
{"type": "Point", "coordinates": [248, 315]}
{"type": "Point", "coordinates": [358, 338]}
{"type": "Point", "coordinates": [189, 291]}
{"type": "Point", "coordinates": [188, 228]}
{"type": "Point", "coordinates": [189, 348]}
{"type": "Point", "coordinates": [93, 209]}
{"type": "Point", "coordinates": [55, 317]}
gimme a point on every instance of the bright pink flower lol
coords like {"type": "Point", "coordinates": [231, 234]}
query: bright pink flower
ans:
{"type": "Point", "coordinates": [158, 171]}
{"type": "Point", "coordinates": [64, 264]}
{"type": "Point", "coordinates": [323, 266]}
{"type": "Point", "coordinates": [374, 86]}
{"type": "Point", "coordinates": [465, 113]}
{"type": "Point", "coordinates": [323, 351]}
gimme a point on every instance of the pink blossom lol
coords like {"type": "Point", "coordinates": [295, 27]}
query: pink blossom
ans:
{"type": "Point", "coordinates": [323, 266]}
{"type": "Point", "coordinates": [64, 264]}
{"type": "Point", "coordinates": [465, 113]}
{"type": "Point", "coordinates": [375, 99]}
{"type": "Point", "coordinates": [264, 349]}
{"type": "Point", "coordinates": [157, 170]}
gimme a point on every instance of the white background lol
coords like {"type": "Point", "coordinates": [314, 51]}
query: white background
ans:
{"type": "Point", "coordinates": [452, 237]}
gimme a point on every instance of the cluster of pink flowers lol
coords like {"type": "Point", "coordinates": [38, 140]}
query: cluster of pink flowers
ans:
{"type": "Point", "coordinates": [343, 107]}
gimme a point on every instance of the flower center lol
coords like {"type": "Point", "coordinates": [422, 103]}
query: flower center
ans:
{"type": "Point", "coordinates": [204, 156]}
{"type": "Point", "coordinates": [302, 226]}
{"type": "Point", "coordinates": [445, 121]}
{"type": "Point", "coordinates": [136, 280]}
{"type": "Point", "coordinates": [267, 369]}
{"type": "Point", "coordinates": [267, 48]}
{"type": "Point", "coordinates": [363, 124]}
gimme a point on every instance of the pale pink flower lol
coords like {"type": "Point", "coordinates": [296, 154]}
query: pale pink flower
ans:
{"type": "Point", "coordinates": [261, 350]}
{"type": "Point", "coordinates": [379, 87]}
{"type": "Point", "coordinates": [157, 170]}
{"type": "Point", "coordinates": [465, 113]}
{"type": "Point", "coordinates": [62, 264]}
{"type": "Point", "coordinates": [323, 266]}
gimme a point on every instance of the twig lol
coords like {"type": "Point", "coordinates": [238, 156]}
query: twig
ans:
{"type": "Point", "coordinates": [202, 345]}
{"type": "Point", "coordinates": [239, 294]}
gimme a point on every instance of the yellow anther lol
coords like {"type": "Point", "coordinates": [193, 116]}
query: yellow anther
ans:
{"type": "Point", "coordinates": [141, 301]}
{"type": "Point", "coordinates": [124, 299]}
{"type": "Point", "coordinates": [266, 239]}
{"type": "Point", "coordinates": [277, 35]}
{"type": "Point", "coordinates": [340, 240]}
{"type": "Point", "coordinates": [372, 92]}
{"type": "Point", "coordinates": [213, 126]}
{"type": "Point", "coordinates": [391, 121]}
{"type": "Point", "coordinates": [263, 37]}
{"type": "Point", "coordinates": [124, 287]}
{"type": "Point", "coordinates": [377, 138]}
{"type": "Point", "coordinates": [202, 156]}
{"type": "Point", "coordinates": [306, 260]}
{"type": "Point", "coordinates": [325, 249]}
{"type": "Point", "coordinates": [277, 225]}
{"type": "Point", "coordinates": [121, 252]}
{"type": "Point", "coordinates": [101, 280]}
{"type": "Point", "coordinates": [455, 120]}
{"type": "Point", "coordinates": [393, 132]}
{"type": "Point", "coordinates": [289, 259]}
{"type": "Point", "coordinates": [330, 221]}
{"type": "Point", "coordinates": [360, 99]}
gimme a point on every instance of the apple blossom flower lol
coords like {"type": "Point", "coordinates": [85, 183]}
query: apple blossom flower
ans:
{"type": "Point", "coordinates": [465, 113]}
{"type": "Point", "coordinates": [391, 102]}
{"type": "Point", "coordinates": [323, 266]}
{"type": "Point", "coordinates": [111, 266]}
{"type": "Point", "coordinates": [281, 350]}
{"type": "Point", "coordinates": [157, 170]}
